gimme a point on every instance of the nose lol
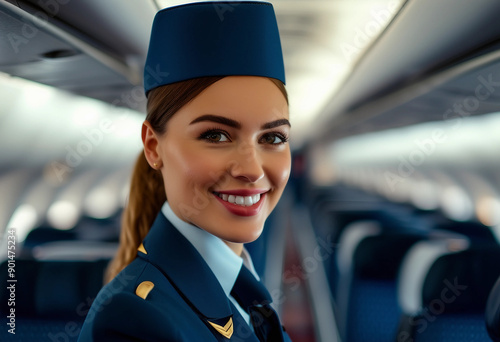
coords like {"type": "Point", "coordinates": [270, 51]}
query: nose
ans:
{"type": "Point", "coordinates": [247, 164]}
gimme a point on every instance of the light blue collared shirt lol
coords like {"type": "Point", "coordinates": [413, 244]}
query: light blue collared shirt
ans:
{"type": "Point", "coordinates": [221, 259]}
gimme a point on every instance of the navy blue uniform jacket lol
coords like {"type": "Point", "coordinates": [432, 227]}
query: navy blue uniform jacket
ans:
{"type": "Point", "coordinates": [182, 297]}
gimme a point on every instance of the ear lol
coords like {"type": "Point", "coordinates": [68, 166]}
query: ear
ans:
{"type": "Point", "coordinates": [151, 145]}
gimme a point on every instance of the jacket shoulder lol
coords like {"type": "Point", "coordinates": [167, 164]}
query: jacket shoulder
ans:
{"type": "Point", "coordinates": [140, 304]}
{"type": "Point", "coordinates": [128, 317]}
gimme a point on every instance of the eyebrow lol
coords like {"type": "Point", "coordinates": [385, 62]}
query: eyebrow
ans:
{"type": "Point", "coordinates": [218, 119]}
{"type": "Point", "coordinates": [235, 124]}
{"type": "Point", "coordinates": [276, 123]}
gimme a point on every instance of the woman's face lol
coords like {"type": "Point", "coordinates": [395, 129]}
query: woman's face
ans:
{"type": "Point", "coordinates": [224, 157]}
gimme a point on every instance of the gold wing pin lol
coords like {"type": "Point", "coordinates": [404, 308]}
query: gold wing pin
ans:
{"type": "Point", "coordinates": [227, 330]}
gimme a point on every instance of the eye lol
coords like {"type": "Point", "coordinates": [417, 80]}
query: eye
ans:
{"type": "Point", "coordinates": [274, 138]}
{"type": "Point", "coordinates": [214, 136]}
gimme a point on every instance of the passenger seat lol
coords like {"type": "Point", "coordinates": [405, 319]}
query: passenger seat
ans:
{"type": "Point", "coordinates": [368, 261]}
{"type": "Point", "coordinates": [51, 298]}
{"type": "Point", "coordinates": [443, 287]}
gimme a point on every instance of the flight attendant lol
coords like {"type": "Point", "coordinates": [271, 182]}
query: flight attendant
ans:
{"type": "Point", "coordinates": [215, 163]}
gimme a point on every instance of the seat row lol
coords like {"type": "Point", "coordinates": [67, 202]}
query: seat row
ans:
{"type": "Point", "coordinates": [403, 275]}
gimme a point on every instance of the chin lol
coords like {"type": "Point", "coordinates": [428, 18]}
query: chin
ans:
{"type": "Point", "coordinates": [243, 235]}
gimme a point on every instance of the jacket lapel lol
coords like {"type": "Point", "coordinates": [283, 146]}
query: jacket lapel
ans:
{"type": "Point", "coordinates": [167, 249]}
{"type": "Point", "coordinates": [181, 263]}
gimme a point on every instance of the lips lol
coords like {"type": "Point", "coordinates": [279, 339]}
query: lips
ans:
{"type": "Point", "coordinates": [241, 202]}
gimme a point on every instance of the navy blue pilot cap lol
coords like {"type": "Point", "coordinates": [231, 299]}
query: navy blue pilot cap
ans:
{"type": "Point", "coordinates": [213, 39]}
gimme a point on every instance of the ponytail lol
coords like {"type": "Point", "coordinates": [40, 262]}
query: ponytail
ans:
{"type": "Point", "coordinates": [146, 198]}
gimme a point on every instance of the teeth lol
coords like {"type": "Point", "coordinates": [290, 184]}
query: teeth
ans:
{"type": "Point", "coordinates": [245, 201]}
{"type": "Point", "coordinates": [248, 201]}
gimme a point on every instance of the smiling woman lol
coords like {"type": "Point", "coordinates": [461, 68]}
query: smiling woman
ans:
{"type": "Point", "coordinates": [240, 152]}
{"type": "Point", "coordinates": [216, 161]}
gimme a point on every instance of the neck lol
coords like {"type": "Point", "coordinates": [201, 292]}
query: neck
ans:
{"type": "Point", "coordinates": [237, 248]}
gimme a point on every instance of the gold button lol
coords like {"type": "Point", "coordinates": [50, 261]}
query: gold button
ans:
{"type": "Point", "coordinates": [144, 288]}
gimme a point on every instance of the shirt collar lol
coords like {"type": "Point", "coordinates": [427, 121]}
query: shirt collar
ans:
{"type": "Point", "coordinates": [223, 262]}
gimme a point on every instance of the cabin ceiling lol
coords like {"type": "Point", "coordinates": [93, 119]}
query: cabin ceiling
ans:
{"type": "Point", "coordinates": [428, 62]}
{"type": "Point", "coordinates": [97, 48]}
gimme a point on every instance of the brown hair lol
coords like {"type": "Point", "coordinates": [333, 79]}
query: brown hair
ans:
{"type": "Point", "coordinates": [147, 193]}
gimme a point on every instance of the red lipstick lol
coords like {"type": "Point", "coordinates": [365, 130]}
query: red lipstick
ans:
{"type": "Point", "coordinates": [240, 210]}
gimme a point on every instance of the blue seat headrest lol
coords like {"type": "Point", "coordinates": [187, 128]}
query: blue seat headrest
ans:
{"type": "Point", "coordinates": [53, 289]}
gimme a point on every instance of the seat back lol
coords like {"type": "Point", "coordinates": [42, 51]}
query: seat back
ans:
{"type": "Point", "coordinates": [368, 260]}
{"type": "Point", "coordinates": [51, 298]}
{"type": "Point", "coordinates": [443, 289]}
